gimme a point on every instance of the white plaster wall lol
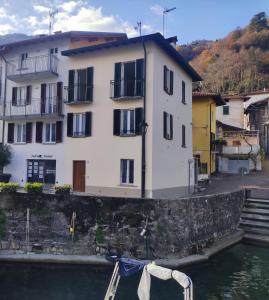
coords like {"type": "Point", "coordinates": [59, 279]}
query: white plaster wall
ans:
{"type": "Point", "coordinates": [236, 116]}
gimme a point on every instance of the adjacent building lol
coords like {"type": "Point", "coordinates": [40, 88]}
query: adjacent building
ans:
{"type": "Point", "coordinates": [110, 118]}
{"type": "Point", "coordinates": [204, 107]}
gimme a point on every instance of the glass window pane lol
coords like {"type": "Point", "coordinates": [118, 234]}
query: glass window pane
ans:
{"type": "Point", "coordinates": [53, 132]}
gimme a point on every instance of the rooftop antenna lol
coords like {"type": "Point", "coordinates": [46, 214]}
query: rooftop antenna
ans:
{"type": "Point", "coordinates": [166, 11]}
{"type": "Point", "coordinates": [139, 27]}
{"type": "Point", "coordinates": [52, 14]}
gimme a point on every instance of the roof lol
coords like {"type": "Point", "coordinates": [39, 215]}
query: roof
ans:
{"type": "Point", "coordinates": [217, 98]}
{"type": "Point", "coordinates": [156, 37]}
{"type": "Point", "coordinates": [260, 92]}
{"type": "Point", "coordinates": [236, 97]}
{"type": "Point", "coordinates": [228, 127]}
{"type": "Point", "coordinates": [61, 35]}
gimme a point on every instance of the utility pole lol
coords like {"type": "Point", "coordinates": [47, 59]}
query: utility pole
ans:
{"type": "Point", "coordinates": [166, 11]}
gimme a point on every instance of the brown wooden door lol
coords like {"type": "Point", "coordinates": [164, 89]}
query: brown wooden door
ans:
{"type": "Point", "coordinates": [79, 170]}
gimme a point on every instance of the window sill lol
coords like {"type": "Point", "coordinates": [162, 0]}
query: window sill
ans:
{"type": "Point", "coordinates": [127, 185]}
{"type": "Point", "coordinates": [49, 143]}
{"type": "Point", "coordinates": [84, 102]}
{"type": "Point", "coordinates": [17, 143]}
{"type": "Point", "coordinates": [127, 134]}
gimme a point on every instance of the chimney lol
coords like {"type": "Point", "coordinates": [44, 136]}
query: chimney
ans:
{"type": "Point", "coordinates": [172, 41]}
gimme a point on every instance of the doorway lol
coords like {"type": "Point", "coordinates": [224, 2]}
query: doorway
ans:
{"type": "Point", "coordinates": [79, 172]}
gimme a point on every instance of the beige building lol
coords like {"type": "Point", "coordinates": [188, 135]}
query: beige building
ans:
{"type": "Point", "coordinates": [129, 115]}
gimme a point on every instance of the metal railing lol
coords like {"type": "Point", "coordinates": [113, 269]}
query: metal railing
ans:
{"type": "Point", "coordinates": [77, 93]}
{"type": "Point", "coordinates": [246, 133]}
{"type": "Point", "coordinates": [35, 64]}
{"type": "Point", "coordinates": [50, 106]}
{"type": "Point", "coordinates": [126, 88]}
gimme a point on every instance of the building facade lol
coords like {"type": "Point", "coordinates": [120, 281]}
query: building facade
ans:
{"type": "Point", "coordinates": [204, 107]}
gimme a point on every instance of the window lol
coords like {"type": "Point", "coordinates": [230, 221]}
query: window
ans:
{"type": "Point", "coordinates": [50, 133]}
{"type": "Point", "coordinates": [226, 110]}
{"type": "Point", "coordinates": [21, 95]}
{"type": "Point", "coordinates": [128, 79]}
{"type": "Point", "coordinates": [127, 122]}
{"type": "Point", "coordinates": [183, 136]}
{"type": "Point", "coordinates": [127, 171]}
{"type": "Point", "coordinates": [183, 92]}
{"type": "Point", "coordinates": [20, 133]}
{"type": "Point", "coordinates": [53, 50]}
{"type": "Point", "coordinates": [23, 61]}
{"type": "Point", "coordinates": [167, 126]}
{"type": "Point", "coordinates": [79, 125]}
{"type": "Point", "coordinates": [168, 80]}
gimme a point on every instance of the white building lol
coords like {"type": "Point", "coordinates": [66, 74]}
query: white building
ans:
{"type": "Point", "coordinates": [32, 107]}
{"type": "Point", "coordinates": [125, 129]}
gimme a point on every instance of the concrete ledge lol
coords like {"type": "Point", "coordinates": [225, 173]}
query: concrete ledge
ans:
{"type": "Point", "coordinates": [95, 260]}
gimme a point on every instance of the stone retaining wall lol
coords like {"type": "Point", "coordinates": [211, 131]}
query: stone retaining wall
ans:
{"type": "Point", "coordinates": [174, 228]}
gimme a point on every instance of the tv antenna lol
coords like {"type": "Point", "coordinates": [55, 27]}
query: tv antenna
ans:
{"type": "Point", "coordinates": [52, 14]}
{"type": "Point", "coordinates": [139, 27]}
{"type": "Point", "coordinates": [165, 12]}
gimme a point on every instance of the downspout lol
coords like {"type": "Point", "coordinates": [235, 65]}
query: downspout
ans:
{"type": "Point", "coordinates": [4, 100]}
{"type": "Point", "coordinates": [144, 128]}
{"type": "Point", "coordinates": [210, 139]}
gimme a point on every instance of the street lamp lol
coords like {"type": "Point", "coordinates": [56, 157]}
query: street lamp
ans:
{"type": "Point", "coordinates": [165, 11]}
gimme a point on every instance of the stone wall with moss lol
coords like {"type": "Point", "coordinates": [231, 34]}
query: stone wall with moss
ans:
{"type": "Point", "coordinates": [174, 228]}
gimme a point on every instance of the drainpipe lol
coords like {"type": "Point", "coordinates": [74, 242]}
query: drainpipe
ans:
{"type": "Point", "coordinates": [4, 100]}
{"type": "Point", "coordinates": [144, 128]}
{"type": "Point", "coordinates": [210, 139]}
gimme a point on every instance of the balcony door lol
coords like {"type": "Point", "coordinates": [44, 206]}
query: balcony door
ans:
{"type": "Point", "coordinates": [79, 172]}
{"type": "Point", "coordinates": [51, 98]}
{"type": "Point", "coordinates": [129, 79]}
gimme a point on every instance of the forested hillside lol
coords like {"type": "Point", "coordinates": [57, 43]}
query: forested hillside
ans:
{"type": "Point", "coordinates": [236, 63]}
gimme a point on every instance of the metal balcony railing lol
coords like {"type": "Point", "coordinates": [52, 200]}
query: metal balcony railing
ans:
{"type": "Point", "coordinates": [32, 65]}
{"type": "Point", "coordinates": [79, 93]}
{"type": "Point", "coordinates": [49, 107]}
{"type": "Point", "coordinates": [126, 88]}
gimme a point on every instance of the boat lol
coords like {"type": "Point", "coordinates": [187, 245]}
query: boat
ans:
{"type": "Point", "coordinates": [125, 267]}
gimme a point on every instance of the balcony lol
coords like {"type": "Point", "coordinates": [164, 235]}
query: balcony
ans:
{"type": "Point", "coordinates": [126, 89]}
{"type": "Point", "coordinates": [240, 150]}
{"type": "Point", "coordinates": [50, 108]}
{"type": "Point", "coordinates": [36, 67]}
{"type": "Point", "coordinates": [79, 94]}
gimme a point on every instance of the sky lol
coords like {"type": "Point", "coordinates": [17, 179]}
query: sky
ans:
{"type": "Point", "coordinates": [192, 20]}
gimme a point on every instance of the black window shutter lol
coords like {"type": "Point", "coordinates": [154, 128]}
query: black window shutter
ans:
{"type": "Point", "coordinates": [10, 134]}
{"type": "Point", "coordinates": [59, 97]}
{"type": "Point", "coordinates": [28, 95]}
{"type": "Point", "coordinates": [39, 131]}
{"type": "Point", "coordinates": [171, 127]}
{"type": "Point", "coordinates": [14, 96]}
{"type": "Point", "coordinates": [138, 120]}
{"type": "Point", "coordinates": [131, 171]}
{"type": "Point", "coordinates": [59, 131]}
{"type": "Point", "coordinates": [117, 80]}
{"type": "Point", "coordinates": [71, 81]}
{"type": "Point", "coordinates": [165, 78]}
{"type": "Point", "coordinates": [88, 123]}
{"type": "Point", "coordinates": [171, 82]}
{"type": "Point", "coordinates": [183, 92]}
{"type": "Point", "coordinates": [116, 123]}
{"type": "Point", "coordinates": [183, 136]}
{"type": "Point", "coordinates": [29, 132]}
{"type": "Point", "coordinates": [164, 125]}
{"type": "Point", "coordinates": [70, 124]}
{"type": "Point", "coordinates": [139, 77]}
{"type": "Point", "coordinates": [89, 84]}
{"type": "Point", "coordinates": [43, 98]}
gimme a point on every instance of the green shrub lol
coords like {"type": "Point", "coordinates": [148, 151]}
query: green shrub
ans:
{"type": "Point", "coordinates": [34, 188]}
{"type": "Point", "coordinates": [62, 189]}
{"type": "Point", "coordinates": [10, 187]}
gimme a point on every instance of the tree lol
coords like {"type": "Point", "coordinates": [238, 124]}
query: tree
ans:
{"type": "Point", "coordinates": [258, 22]}
{"type": "Point", "coordinates": [5, 156]}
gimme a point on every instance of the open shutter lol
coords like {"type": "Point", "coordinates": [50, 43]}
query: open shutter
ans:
{"type": "Point", "coordinates": [89, 92]}
{"type": "Point", "coordinates": [70, 124]}
{"type": "Point", "coordinates": [116, 127]}
{"type": "Point", "coordinates": [59, 97]}
{"type": "Point", "coordinates": [71, 81]}
{"type": "Point", "coordinates": [164, 125]}
{"type": "Point", "coordinates": [29, 132]}
{"type": "Point", "coordinates": [165, 78]}
{"type": "Point", "coordinates": [183, 92]}
{"type": "Point", "coordinates": [39, 131]}
{"type": "Point", "coordinates": [171, 127]}
{"type": "Point", "coordinates": [117, 80]}
{"type": "Point", "coordinates": [43, 98]}
{"type": "Point", "coordinates": [28, 95]}
{"type": "Point", "coordinates": [171, 82]}
{"type": "Point", "coordinates": [139, 77]}
{"type": "Point", "coordinates": [14, 96]}
{"type": "Point", "coordinates": [183, 136]}
{"type": "Point", "coordinates": [88, 123]}
{"type": "Point", "coordinates": [131, 171]}
{"type": "Point", "coordinates": [138, 120]}
{"type": "Point", "coordinates": [59, 132]}
{"type": "Point", "coordinates": [10, 134]}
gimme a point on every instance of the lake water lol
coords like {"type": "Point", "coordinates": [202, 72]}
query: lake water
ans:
{"type": "Point", "coordinates": [239, 273]}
